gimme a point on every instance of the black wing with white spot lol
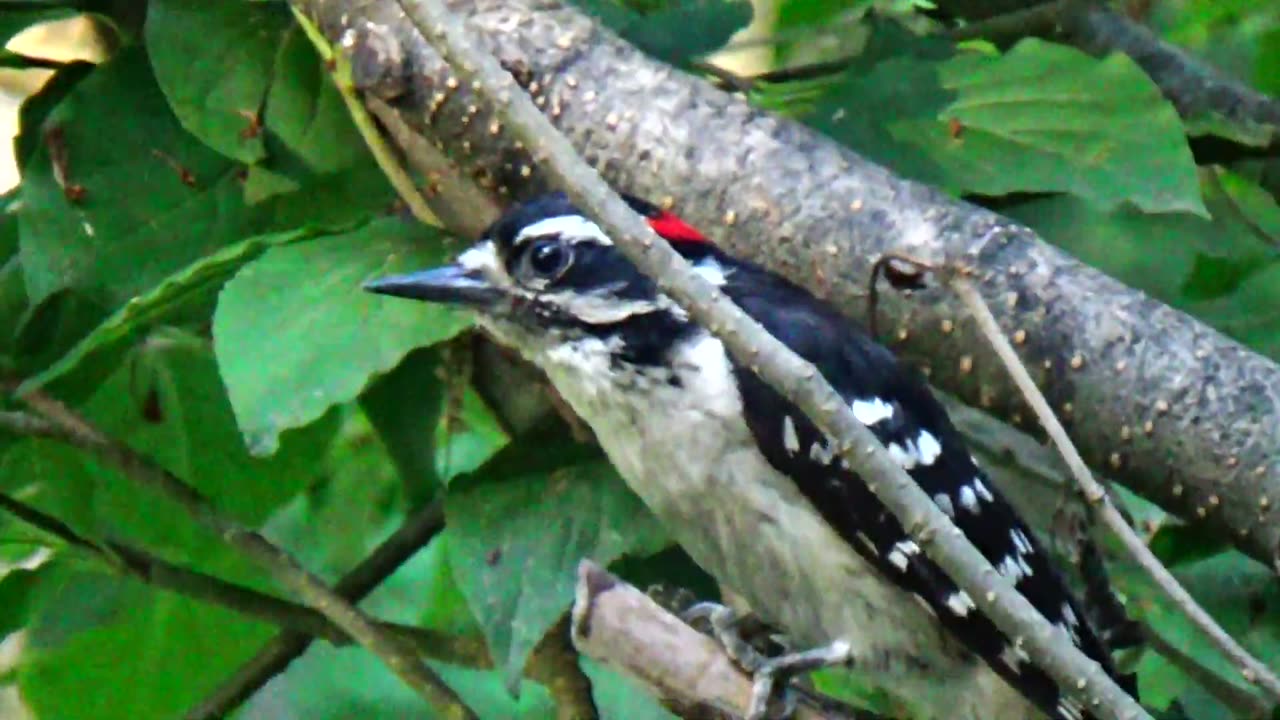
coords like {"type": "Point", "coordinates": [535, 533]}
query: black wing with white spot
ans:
{"type": "Point", "coordinates": [898, 407]}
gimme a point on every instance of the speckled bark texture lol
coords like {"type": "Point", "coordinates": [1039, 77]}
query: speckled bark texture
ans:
{"type": "Point", "coordinates": [1166, 405]}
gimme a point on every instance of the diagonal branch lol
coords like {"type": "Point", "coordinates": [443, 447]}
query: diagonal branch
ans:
{"type": "Point", "coordinates": [794, 378]}
{"type": "Point", "coordinates": [391, 649]}
{"type": "Point", "coordinates": [162, 574]}
{"type": "Point", "coordinates": [1095, 494]}
{"type": "Point", "coordinates": [1179, 411]}
{"type": "Point", "coordinates": [1198, 90]}
{"type": "Point", "coordinates": [279, 652]}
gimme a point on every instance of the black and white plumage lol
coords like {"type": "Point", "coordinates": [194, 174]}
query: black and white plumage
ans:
{"type": "Point", "coordinates": [747, 484]}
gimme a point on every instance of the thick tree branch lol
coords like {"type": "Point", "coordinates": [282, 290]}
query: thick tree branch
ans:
{"type": "Point", "coordinates": [1179, 412]}
{"type": "Point", "coordinates": [795, 378]}
{"type": "Point", "coordinates": [391, 649]}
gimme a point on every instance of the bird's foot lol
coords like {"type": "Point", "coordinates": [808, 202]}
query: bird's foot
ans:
{"type": "Point", "coordinates": [777, 672]}
{"type": "Point", "coordinates": [771, 692]}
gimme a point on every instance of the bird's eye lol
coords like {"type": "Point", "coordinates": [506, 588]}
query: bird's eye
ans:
{"type": "Point", "coordinates": [548, 258]}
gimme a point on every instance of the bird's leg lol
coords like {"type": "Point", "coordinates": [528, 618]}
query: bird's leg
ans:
{"type": "Point", "coordinates": [765, 678]}
{"type": "Point", "coordinates": [726, 628]}
{"type": "Point", "coordinates": [766, 671]}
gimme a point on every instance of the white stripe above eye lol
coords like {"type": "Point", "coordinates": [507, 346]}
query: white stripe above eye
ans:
{"type": "Point", "coordinates": [570, 228]}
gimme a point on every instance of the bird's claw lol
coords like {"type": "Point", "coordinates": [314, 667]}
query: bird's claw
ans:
{"type": "Point", "coordinates": [772, 697]}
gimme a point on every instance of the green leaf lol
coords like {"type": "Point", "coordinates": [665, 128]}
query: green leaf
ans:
{"type": "Point", "coordinates": [618, 697]}
{"type": "Point", "coordinates": [188, 293]}
{"type": "Point", "coordinates": [13, 302]}
{"type": "Point", "coordinates": [168, 402]}
{"type": "Point", "coordinates": [445, 609]}
{"type": "Point", "coordinates": [306, 114]}
{"type": "Point", "coordinates": [346, 683]}
{"type": "Point", "coordinates": [877, 111]}
{"type": "Point", "coordinates": [52, 477]}
{"type": "Point", "coordinates": [350, 683]}
{"type": "Point", "coordinates": [1205, 121]}
{"type": "Point", "coordinates": [1266, 62]}
{"type": "Point", "coordinates": [1240, 594]}
{"type": "Point", "coordinates": [218, 98]}
{"type": "Point", "coordinates": [404, 406]}
{"type": "Point", "coordinates": [1040, 108]}
{"type": "Point", "coordinates": [1156, 254]}
{"type": "Point", "coordinates": [36, 108]}
{"type": "Point", "coordinates": [16, 588]}
{"type": "Point", "coordinates": [295, 334]}
{"type": "Point", "coordinates": [71, 598]}
{"type": "Point", "coordinates": [153, 198]}
{"type": "Point", "coordinates": [681, 31]}
{"type": "Point", "coordinates": [1041, 118]}
{"type": "Point", "coordinates": [1177, 544]}
{"type": "Point", "coordinates": [518, 528]}
{"type": "Point", "coordinates": [49, 329]}
{"type": "Point", "coordinates": [1213, 276]}
{"type": "Point", "coordinates": [158, 657]}
{"type": "Point", "coordinates": [318, 171]}
{"type": "Point", "coordinates": [355, 503]}
{"type": "Point", "coordinates": [467, 436]}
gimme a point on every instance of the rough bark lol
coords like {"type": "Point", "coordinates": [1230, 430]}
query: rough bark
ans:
{"type": "Point", "coordinates": [1168, 406]}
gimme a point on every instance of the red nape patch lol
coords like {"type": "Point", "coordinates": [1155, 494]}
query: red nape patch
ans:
{"type": "Point", "coordinates": [673, 229]}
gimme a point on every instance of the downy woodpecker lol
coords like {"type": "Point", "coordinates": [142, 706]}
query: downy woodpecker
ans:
{"type": "Point", "coordinates": [746, 483]}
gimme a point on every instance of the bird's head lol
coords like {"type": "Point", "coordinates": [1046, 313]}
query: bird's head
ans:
{"type": "Point", "coordinates": [544, 273]}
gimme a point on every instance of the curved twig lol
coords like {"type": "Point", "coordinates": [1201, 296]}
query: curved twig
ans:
{"type": "Point", "coordinates": [1095, 494]}
{"type": "Point", "coordinates": [274, 657]}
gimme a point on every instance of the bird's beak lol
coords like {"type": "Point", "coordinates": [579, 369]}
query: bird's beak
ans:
{"type": "Point", "coordinates": [451, 284]}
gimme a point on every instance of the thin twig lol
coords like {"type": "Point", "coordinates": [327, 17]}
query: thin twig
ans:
{"type": "Point", "coordinates": [402, 659]}
{"type": "Point", "coordinates": [27, 425]}
{"type": "Point", "coordinates": [49, 524]}
{"type": "Point", "coordinates": [796, 379]}
{"type": "Point", "coordinates": [382, 153]}
{"type": "Point", "coordinates": [1004, 29]}
{"type": "Point", "coordinates": [1251, 670]}
{"type": "Point", "coordinates": [274, 657]}
{"type": "Point", "coordinates": [554, 663]}
{"type": "Point", "coordinates": [728, 80]}
{"type": "Point", "coordinates": [160, 573]}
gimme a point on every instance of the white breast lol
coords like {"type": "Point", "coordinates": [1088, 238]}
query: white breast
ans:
{"type": "Point", "coordinates": [684, 448]}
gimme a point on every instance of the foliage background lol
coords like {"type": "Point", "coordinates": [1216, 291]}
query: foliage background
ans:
{"type": "Point", "coordinates": [182, 262]}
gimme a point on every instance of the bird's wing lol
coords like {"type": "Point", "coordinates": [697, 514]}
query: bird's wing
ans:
{"type": "Point", "coordinates": [900, 410]}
